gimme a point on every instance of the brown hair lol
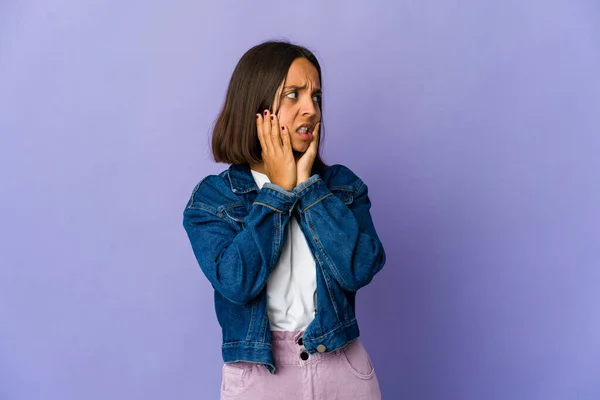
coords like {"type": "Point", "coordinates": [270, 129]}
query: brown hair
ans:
{"type": "Point", "coordinates": [251, 90]}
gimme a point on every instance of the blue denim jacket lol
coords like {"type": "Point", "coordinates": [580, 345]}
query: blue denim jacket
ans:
{"type": "Point", "coordinates": [237, 233]}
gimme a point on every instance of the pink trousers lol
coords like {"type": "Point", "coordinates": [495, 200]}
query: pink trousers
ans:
{"type": "Point", "coordinates": [345, 374]}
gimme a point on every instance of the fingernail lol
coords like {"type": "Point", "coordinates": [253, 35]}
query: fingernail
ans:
{"type": "Point", "coordinates": [266, 111]}
{"type": "Point", "coordinates": [272, 117]}
{"type": "Point", "coordinates": [257, 116]}
{"type": "Point", "coordinates": [283, 128]}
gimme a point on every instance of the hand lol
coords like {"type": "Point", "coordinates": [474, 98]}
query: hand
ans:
{"type": "Point", "coordinates": [277, 154]}
{"type": "Point", "coordinates": [305, 163]}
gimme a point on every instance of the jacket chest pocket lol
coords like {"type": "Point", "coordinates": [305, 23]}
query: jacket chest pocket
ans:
{"type": "Point", "coordinates": [234, 214]}
{"type": "Point", "coordinates": [344, 193]}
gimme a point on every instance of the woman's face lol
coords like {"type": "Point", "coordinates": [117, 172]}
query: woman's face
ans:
{"type": "Point", "coordinates": [297, 103]}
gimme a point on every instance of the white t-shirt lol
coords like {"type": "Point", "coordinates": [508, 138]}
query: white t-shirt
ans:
{"type": "Point", "coordinates": [291, 288]}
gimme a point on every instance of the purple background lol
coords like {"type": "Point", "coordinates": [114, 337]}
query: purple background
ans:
{"type": "Point", "coordinates": [476, 125]}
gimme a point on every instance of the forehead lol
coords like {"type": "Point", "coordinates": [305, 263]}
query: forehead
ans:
{"type": "Point", "coordinates": [302, 72]}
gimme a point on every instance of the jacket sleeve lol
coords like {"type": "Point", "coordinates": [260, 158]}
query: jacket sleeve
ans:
{"type": "Point", "coordinates": [343, 235]}
{"type": "Point", "coordinates": [238, 263]}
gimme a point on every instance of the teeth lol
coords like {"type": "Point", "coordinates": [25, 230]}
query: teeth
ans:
{"type": "Point", "coordinates": [302, 130]}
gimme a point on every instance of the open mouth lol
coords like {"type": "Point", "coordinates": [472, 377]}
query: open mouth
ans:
{"type": "Point", "coordinates": [305, 131]}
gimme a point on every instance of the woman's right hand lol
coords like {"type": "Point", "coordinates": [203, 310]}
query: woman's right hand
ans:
{"type": "Point", "coordinates": [277, 154]}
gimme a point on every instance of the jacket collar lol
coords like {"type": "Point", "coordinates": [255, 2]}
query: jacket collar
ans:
{"type": "Point", "coordinates": [241, 179]}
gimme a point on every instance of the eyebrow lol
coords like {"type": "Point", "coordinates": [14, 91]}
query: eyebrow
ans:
{"type": "Point", "coordinates": [295, 87]}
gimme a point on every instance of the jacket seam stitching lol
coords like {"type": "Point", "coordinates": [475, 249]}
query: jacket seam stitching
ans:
{"type": "Point", "coordinates": [192, 197]}
{"type": "Point", "coordinates": [317, 201]}
{"type": "Point", "coordinates": [278, 191]}
{"type": "Point", "coordinates": [206, 208]}
{"type": "Point", "coordinates": [247, 342]}
{"type": "Point", "coordinates": [327, 259]}
{"type": "Point", "coordinates": [335, 272]}
{"type": "Point", "coordinates": [344, 325]}
{"type": "Point", "coordinates": [268, 206]}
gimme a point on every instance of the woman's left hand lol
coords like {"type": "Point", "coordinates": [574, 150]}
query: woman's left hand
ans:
{"type": "Point", "coordinates": [305, 162]}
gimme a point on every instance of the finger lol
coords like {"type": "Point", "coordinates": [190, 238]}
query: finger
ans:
{"type": "Point", "coordinates": [266, 130]}
{"type": "Point", "coordinates": [315, 142]}
{"type": "Point", "coordinates": [275, 132]}
{"type": "Point", "coordinates": [259, 132]}
{"type": "Point", "coordinates": [286, 140]}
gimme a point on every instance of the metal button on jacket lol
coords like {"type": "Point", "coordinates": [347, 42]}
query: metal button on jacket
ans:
{"type": "Point", "coordinates": [321, 348]}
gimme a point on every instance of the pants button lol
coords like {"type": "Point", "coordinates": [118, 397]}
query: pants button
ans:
{"type": "Point", "coordinates": [304, 355]}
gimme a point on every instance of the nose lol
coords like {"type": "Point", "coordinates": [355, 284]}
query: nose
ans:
{"type": "Point", "coordinates": [309, 106]}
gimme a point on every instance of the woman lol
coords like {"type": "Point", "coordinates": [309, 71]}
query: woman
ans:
{"type": "Point", "coordinates": [285, 240]}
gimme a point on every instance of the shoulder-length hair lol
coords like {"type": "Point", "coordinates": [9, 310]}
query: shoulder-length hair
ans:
{"type": "Point", "coordinates": [252, 89]}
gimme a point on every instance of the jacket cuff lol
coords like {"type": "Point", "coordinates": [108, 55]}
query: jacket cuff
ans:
{"type": "Point", "coordinates": [276, 198]}
{"type": "Point", "coordinates": [310, 192]}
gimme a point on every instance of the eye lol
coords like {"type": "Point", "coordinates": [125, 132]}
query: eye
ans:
{"type": "Point", "coordinates": [292, 95]}
{"type": "Point", "coordinates": [317, 98]}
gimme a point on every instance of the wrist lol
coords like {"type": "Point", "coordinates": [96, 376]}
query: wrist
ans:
{"type": "Point", "coordinates": [287, 185]}
{"type": "Point", "coordinates": [302, 178]}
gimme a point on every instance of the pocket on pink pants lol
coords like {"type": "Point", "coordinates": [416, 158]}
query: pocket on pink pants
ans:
{"type": "Point", "coordinates": [236, 378]}
{"type": "Point", "coordinates": [357, 360]}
